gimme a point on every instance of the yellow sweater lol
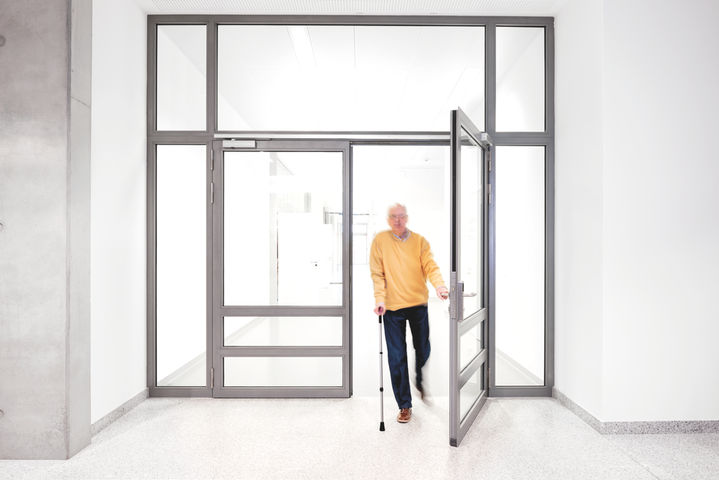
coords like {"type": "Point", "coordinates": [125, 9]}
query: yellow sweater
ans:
{"type": "Point", "coordinates": [400, 270]}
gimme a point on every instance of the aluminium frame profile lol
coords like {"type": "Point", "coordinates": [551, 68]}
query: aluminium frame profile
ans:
{"type": "Point", "coordinates": [544, 139]}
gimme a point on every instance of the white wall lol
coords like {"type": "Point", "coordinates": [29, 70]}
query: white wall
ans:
{"type": "Point", "coordinates": [578, 204]}
{"type": "Point", "coordinates": [636, 224]}
{"type": "Point", "coordinates": [661, 194]}
{"type": "Point", "coordinates": [118, 232]}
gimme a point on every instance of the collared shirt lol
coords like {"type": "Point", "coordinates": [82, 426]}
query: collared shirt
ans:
{"type": "Point", "coordinates": [404, 237]}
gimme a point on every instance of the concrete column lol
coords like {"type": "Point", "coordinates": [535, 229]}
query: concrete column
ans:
{"type": "Point", "coordinates": [44, 237]}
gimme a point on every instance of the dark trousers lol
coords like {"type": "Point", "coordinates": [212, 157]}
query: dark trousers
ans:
{"type": "Point", "coordinates": [395, 330]}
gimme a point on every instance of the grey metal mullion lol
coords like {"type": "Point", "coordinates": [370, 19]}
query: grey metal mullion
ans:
{"type": "Point", "coordinates": [193, 135]}
{"type": "Point", "coordinates": [282, 392]}
{"type": "Point", "coordinates": [492, 248]}
{"type": "Point", "coordinates": [218, 281]}
{"type": "Point", "coordinates": [211, 77]}
{"type": "Point", "coordinates": [277, 351]}
{"type": "Point", "coordinates": [522, 391]}
{"type": "Point", "coordinates": [209, 268]}
{"type": "Point", "coordinates": [280, 310]}
{"type": "Point", "coordinates": [302, 134]}
{"type": "Point", "coordinates": [466, 423]}
{"type": "Point", "coordinates": [301, 145]}
{"type": "Point", "coordinates": [490, 78]}
{"type": "Point", "coordinates": [549, 267]}
{"type": "Point", "coordinates": [472, 367]}
{"type": "Point", "coordinates": [522, 139]}
{"type": "Point", "coordinates": [549, 196]}
{"type": "Point", "coordinates": [191, 392]}
{"type": "Point", "coordinates": [549, 78]}
{"type": "Point", "coordinates": [151, 76]}
{"type": "Point", "coordinates": [522, 21]}
{"type": "Point", "coordinates": [180, 19]}
{"type": "Point", "coordinates": [487, 201]}
{"type": "Point", "coordinates": [176, 139]}
{"type": "Point", "coordinates": [468, 323]}
{"type": "Point", "coordinates": [362, 20]}
{"type": "Point", "coordinates": [347, 220]}
{"type": "Point", "coordinates": [151, 198]}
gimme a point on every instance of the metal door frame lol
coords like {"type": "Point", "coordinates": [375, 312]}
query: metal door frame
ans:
{"type": "Point", "coordinates": [210, 133]}
{"type": "Point", "coordinates": [459, 375]}
{"type": "Point", "coordinates": [219, 310]}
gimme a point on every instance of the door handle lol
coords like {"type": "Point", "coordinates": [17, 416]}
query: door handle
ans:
{"type": "Point", "coordinates": [469, 294]}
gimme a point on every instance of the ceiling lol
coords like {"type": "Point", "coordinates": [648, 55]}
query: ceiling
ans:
{"type": "Point", "coordinates": [355, 7]}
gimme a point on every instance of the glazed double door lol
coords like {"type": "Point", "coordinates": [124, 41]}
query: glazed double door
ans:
{"type": "Point", "coordinates": [281, 270]}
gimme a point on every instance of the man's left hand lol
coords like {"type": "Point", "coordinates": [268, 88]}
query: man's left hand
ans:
{"type": "Point", "coordinates": [442, 292]}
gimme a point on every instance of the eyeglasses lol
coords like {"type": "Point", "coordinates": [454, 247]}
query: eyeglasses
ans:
{"type": "Point", "coordinates": [401, 216]}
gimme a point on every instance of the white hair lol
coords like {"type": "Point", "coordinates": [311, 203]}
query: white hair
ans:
{"type": "Point", "coordinates": [396, 205]}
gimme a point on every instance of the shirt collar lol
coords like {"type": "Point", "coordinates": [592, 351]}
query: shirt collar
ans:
{"type": "Point", "coordinates": [404, 237]}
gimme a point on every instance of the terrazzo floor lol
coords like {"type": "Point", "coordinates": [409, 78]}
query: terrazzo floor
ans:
{"type": "Point", "coordinates": [334, 439]}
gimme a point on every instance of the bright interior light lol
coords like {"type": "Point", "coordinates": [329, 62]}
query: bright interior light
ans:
{"type": "Point", "coordinates": [302, 45]}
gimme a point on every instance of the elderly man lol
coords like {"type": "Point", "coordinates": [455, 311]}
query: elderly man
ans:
{"type": "Point", "coordinates": [401, 262]}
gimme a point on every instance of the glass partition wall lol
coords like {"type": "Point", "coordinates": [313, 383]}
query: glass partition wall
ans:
{"type": "Point", "coordinates": [251, 249]}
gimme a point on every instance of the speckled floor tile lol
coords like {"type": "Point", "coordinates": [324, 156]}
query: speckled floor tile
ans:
{"type": "Point", "coordinates": [674, 456]}
{"type": "Point", "coordinates": [330, 439]}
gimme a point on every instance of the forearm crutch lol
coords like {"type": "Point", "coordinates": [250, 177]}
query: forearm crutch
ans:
{"type": "Point", "coordinates": [381, 380]}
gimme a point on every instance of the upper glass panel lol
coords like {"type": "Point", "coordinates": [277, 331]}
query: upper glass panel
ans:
{"type": "Point", "coordinates": [348, 78]}
{"type": "Point", "coordinates": [283, 228]}
{"type": "Point", "coordinates": [520, 79]}
{"type": "Point", "coordinates": [471, 221]}
{"type": "Point", "coordinates": [181, 77]}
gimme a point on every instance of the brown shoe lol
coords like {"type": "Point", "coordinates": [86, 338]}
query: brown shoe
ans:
{"type": "Point", "coordinates": [404, 415]}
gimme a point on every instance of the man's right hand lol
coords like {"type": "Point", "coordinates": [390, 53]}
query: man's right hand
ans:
{"type": "Point", "coordinates": [379, 309]}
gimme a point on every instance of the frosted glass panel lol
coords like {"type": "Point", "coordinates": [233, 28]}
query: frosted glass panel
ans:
{"type": "Point", "coordinates": [520, 79]}
{"type": "Point", "coordinates": [283, 371]}
{"type": "Point", "coordinates": [181, 77]}
{"type": "Point", "coordinates": [520, 265]}
{"type": "Point", "coordinates": [470, 392]}
{"type": "Point", "coordinates": [471, 218]}
{"type": "Point", "coordinates": [283, 331]}
{"type": "Point", "coordinates": [283, 228]}
{"type": "Point", "coordinates": [357, 78]}
{"type": "Point", "coordinates": [470, 344]}
{"type": "Point", "coordinates": [181, 265]}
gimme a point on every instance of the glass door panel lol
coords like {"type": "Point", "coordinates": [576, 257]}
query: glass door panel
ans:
{"type": "Point", "coordinates": [283, 331]}
{"type": "Point", "coordinates": [472, 228]}
{"type": "Point", "coordinates": [283, 228]}
{"type": "Point", "coordinates": [281, 261]}
{"type": "Point", "coordinates": [283, 372]}
{"type": "Point", "coordinates": [468, 365]}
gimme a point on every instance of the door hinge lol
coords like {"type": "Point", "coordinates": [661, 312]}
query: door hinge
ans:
{"type": "Point", "coordinates": [490, 163]}
{"type": "Point", "coordinates": [212, 192]}
{"type": "Point", "coordinates": [212, 160]}
{"type": "Point", "coordinates": [489, 192]}
{"type": "Point", "coordinates": [212, 377]}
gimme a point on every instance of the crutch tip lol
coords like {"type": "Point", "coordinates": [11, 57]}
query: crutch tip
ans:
{"type": "Point", "coordinates": [381, 426]}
